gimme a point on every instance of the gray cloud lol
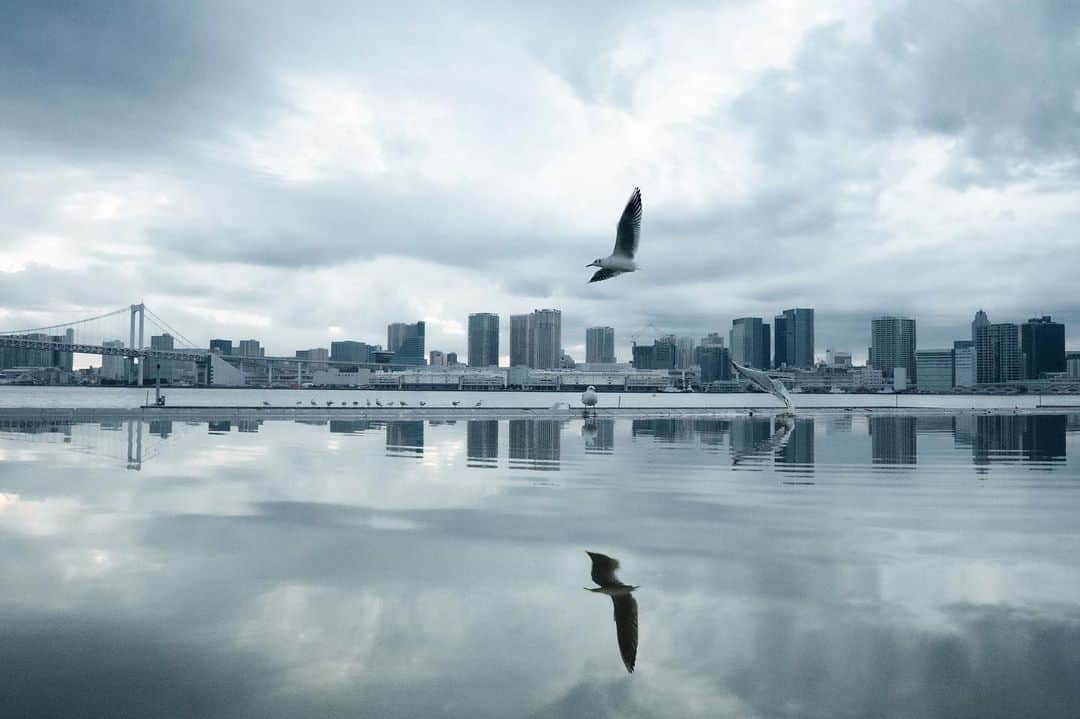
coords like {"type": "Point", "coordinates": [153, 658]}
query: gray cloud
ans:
{"type": "Point", "coordinates": [430, 163]}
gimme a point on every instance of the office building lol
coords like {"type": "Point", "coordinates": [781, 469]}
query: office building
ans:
{"type": "Point", "coordinates": [113, 367]}
{"type": "Point", "coordinates": [437, 358]}
{"type": "Point", "coordinates": [684, 352]}
{"type": "Point", "coordinates": [794, 338]}
{"type": "Point", "coordinates": [749, 342]}
{"type": "Point", "coordinates": [893, 345]}
{"type": "Point", "coordinates": [600, 345]}
{"type": "Point", "coordinates": [315, 354]}
{"type": "Point", "coordinates": [935, 370]}
{"type": "Point", "coordinates": [713, 361]}
{"type": "Point", "coordinates": [250, 348]}
{"type": "Point", "coordinates": [545, 339]}
{"type": "Point", "coordinates": [1042, 342]}
{"type": "Point", "coordinates": [997, 353]}
{"type": "Point", "coordinates": [221, 346]}
{"type": "Point", "coordinates": [713, 338]}
{"type": "Point", "coordinates": [664, 352]}
{"type": "Point", "coordinates": [641, 356]}
{"type": "Point", "coordinates": [353, 351]}
{"type": "Point", "coordinates": [963, 363]}
{"type": "Point", "coordinates": [451, 359]}
{"type": "Point", "coordinates": [519, 340]}
{"type": "Point", "coordinates": [406, 341]}
{"type": "Point", "coordinates": [483, 340]}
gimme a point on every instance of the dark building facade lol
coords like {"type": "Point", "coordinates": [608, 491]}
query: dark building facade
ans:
{"type": "Point", "coordinates": [1042, 342]}
{"type": "Point", "coordinates": [714, 363]}
{"type": "Point", "coordinates": [353, 351]}
{"type": "Point", "coordinates": [794, 338]}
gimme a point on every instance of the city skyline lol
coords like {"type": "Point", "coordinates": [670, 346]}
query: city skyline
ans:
{"type": "Point", "coordinates": [253, 182]}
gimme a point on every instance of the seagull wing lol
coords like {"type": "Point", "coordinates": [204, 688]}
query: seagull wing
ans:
{"type": "Point", "coordinates": [603, 274]}
{"type": "Point", "coordinates": [603, 569]}
{"type": "Point", "coordinates": [626, 628]}
{"type": "Point", "coordinates": [629, 231]}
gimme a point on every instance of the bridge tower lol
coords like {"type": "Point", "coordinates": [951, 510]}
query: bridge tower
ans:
{"type": "Point", "coordinates": [140, 310]}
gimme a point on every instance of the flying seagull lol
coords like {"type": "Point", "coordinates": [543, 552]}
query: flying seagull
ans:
{"type": "Point", "coordinates": [766, 384]}
{"type": "Point", "coordinates": [627, 235]}
{"type": "Point", "coordinates": [603, 573]}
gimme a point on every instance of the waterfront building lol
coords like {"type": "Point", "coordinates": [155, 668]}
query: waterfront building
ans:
{"type": "Point", "coordinates": [749, 342]}
{"type": "Point", "coordinates": [519, 340]}
{"type": "Point", "coordinates": [483, 340]}
{"type": "Point", "coordinates": [600, 345]}
{"type": "Point", "coordinates": [684, 352]}
{"type": "Point", "coordinates": [353, 351]}
{"type": "Point", "coordinates": [1042, 342]}
{"type": "Point", "coordinates": [893, 345]}
{"type": "Point", "coordinates": [793, 344]}
{"type": "Point", "coordinates": [997, 353]}
{"type": "Point", "coordinates": [113, 367]}
{"type": "Point", "coordinates": [963, 363]}
{"type": "Point", "coordinates": [436, 358]}
{"type": "Point", "coordinates": [935, 370]}
{"type": "Point", "coordinates": [714, 363]}
{"type": "Point", "coordinates": [406, 341]}
{"type": "Point", "coordinates": [545, 339]}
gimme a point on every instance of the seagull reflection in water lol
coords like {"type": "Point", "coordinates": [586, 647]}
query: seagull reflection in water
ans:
{"type": "Point", "coordinates": [626, 614]}
{"type": "Point", "coordinates": [779, 438]}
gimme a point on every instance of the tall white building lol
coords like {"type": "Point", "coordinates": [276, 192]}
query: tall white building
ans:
{"type": "Point", "coordinates": [545, 339]}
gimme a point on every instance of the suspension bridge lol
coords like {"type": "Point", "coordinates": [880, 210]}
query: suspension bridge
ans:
{"type": "Point", "coordinates": [127, 361]}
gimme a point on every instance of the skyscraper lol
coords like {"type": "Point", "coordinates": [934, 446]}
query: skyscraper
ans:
{"type": "Point", "coordinates": [713, 338]}
{"type": "Point", "coordinates": [519, 340]}
{"type": "Point", "coordinates": [545, 339]}
{"type": "Point", "coordinates": [353, 351]}
{"type": "Point", "coordinates": [406, 341]}
{"type": "Point", "coordinates": [893, 345]}
{"type": "Point", "coordinates": [997, 353]}
{"type": "Point", "coordinates": [250, 348]}
{"type": "Point", "coordinates": [483, 340]}
{"type": "Point", "coordinates": [112, 366]}
{"type": "Point", "coordinates": [749, 342]}
{"type": "Point", "coordinates": [1043, 343]}
{"type": "Point", "coordinates": [600, 345]}
{"type": "Point", "coordinates": [437, 358]}
{"type": "Point", "coordinates": [794, 335]}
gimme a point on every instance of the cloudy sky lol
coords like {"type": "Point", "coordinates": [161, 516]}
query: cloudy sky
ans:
{"type": "Point", "coordinates": [312, 171]}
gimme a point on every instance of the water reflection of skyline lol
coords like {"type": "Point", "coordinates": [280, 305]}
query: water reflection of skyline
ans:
{"type": "Point", "coordinates": [754, 442]}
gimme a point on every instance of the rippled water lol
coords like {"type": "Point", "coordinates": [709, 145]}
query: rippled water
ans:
{"type": "Point", "coordinates": [845, 565]}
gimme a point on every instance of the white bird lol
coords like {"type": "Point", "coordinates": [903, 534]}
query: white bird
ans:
{"type": "Point", "coordinates": [423, 403]}
{"type": "Point", "coordinates": [314, 403]}
{"type": "Point", "coordinates": [402, 403]}
{"type": "Point", "coordinates": [479, 403]}
{"type": "Point", "coordinates": [356, 403]}
{"type": "Point", "coordinates": [378, 403]}
{"type": "Point", "coordinates": [589, 398]}
{"type": "Point", "coordinates": [456, 402]}
{"type": "Point", "coordinates": [627, 235]}
{"type": "Point", "coordinates": [265, 403]}
{"type": "Point", "coordinates": [626, 613]}
{"type": "Point", "coordinates": [766, 384]}
{"type": "Point", "coordinates": [329, 402]}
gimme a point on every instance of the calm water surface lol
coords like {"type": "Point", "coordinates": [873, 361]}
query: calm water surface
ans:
{"type": "Point", "coordinates": [846, 566]}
